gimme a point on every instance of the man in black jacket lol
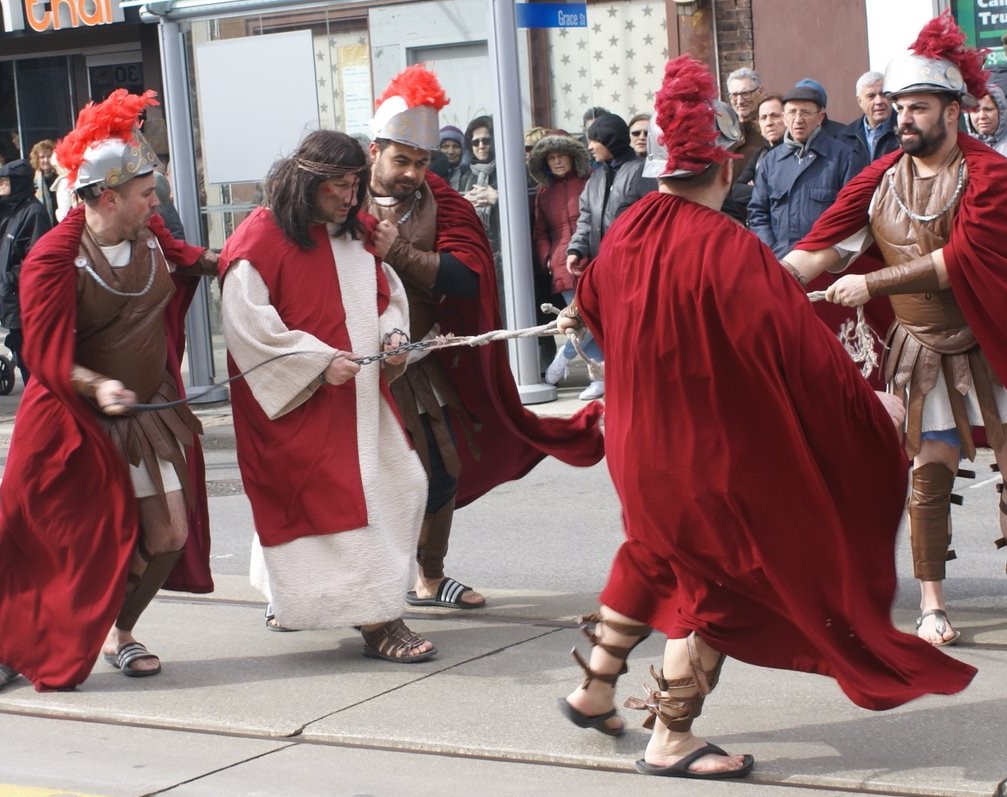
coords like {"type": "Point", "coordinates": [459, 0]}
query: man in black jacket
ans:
{"type": "Point", "coordinates": [873, 134]}
{"type": "Point", "coordinates": [23, 220]}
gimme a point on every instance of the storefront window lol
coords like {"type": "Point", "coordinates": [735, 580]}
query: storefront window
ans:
{"type": "Point", "coordinates": [35, 103]}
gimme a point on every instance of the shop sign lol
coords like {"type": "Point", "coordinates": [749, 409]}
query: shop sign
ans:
{"type": "Point", "coordinates": [982, 21]}
{"type": "Point", "coordinates": [51, 15]}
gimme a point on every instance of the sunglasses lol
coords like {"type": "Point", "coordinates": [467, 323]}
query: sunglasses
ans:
{"type": "Point", "coordinates": [636, 133]}
{"type": "Point", "coordinates": [480, 142]}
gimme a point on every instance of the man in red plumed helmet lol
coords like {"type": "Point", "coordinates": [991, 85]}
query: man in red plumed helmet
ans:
{"type": "Point", "coordinates": [933, 212]}
{"type": "Point", "coordinates": [99, 500]}
{"type": "Point", "coordinates": [761, 478]}
{"type": "Point", "coordinates": [461, 408]}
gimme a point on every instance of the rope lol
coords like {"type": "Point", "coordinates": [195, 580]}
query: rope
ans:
{"type": "Point", "coordinates": [857, 337]}
{"type": "Point", "coordinates": [439, 342]}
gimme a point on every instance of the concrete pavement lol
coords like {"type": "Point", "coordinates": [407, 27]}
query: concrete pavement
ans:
{"type": "Point", "coordinates": [242, 711]}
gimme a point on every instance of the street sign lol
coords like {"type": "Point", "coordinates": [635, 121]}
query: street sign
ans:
{"type": "Point", "coordinates": [551, 15]}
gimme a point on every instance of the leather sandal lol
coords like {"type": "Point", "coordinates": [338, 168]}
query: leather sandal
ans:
{"type": "Point", "coordinates": [941, 625]}
{"type": "Point", "coordinates": [590, 626]}
{"type": "Point", "coordinates": [393, 642]}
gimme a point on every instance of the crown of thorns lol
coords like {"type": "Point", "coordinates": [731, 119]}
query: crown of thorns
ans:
{"type": "Point", "coordinates": [328, 169]}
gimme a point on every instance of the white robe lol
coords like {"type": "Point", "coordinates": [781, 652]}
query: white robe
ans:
{"type": "Point", "coordinates": [353, 577]}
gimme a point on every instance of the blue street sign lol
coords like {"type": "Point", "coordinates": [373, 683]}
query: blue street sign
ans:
{"type": "Point", "coordinates": [551, 15]}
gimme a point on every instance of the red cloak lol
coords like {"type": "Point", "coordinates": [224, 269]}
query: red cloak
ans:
{"type": "Point", "coordinates": [68, 519]}
{"type": "Point", "coordinates": [761, 480]}
{"type": "Point", "coordinates": [511, 439]}
{"type": "Point", "coordinates": [301, 471]}
{"type": "Point", "coordinates": [976, 253]}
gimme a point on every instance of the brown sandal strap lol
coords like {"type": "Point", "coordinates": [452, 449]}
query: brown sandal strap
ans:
{"type": "Point", "coordinates": [393, 639]}
{"type": "Point", "coordinates": [589, 624]}
{"type": "Point", "coordinates": [667, 703]}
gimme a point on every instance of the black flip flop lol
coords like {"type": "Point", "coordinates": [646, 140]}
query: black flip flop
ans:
{"type": "Point", "coordinates": [680, 769]}
{"type": "Point", "coordinates": [124, 657]}
{"type": "Point", "coordinates": [597, 722]}
{"type": "Point", "coordinates": [448, 596]}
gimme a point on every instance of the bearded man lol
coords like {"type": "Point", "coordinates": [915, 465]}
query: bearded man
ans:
{"type": "Point", "coordinates": [99, 500]}
{"type": "Point", "coordinates": [338, 501]}
{"type": "Point", "coordinates": [462, 410]}
{"type": "Point", "coordinates": [931, 210]}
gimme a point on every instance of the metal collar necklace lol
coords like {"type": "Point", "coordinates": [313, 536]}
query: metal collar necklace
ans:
{"type": "Point", "coordinates": [939, 213]}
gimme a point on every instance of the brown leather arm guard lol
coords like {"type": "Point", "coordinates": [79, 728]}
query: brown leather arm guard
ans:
{"type": "Point", "coordinates": [85, 381]}
{"type": "Point", "coordinates": [412, 264]}
{"type": "Point", "coordinates": [916, 276]}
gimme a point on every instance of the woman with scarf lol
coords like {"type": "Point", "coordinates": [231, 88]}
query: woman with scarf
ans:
{"type": "Point", "coordinates": [988, 120]}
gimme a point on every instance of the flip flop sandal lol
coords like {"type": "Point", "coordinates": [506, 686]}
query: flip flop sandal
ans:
{"type": "Point", "coordinates": [941, 623]}
{"type": "Point", "coordinates": [392, 642]}
{"type": "Point", "coordinates": [597, 721]}
{"type": "Point", "coordinates": [448, 596]}
{"type": "Point", "coordinates": [680, 769]}
{"type": "Point", "coordinates": [271, 622]}
{"type": "Point", "coordinates": [124, 657]}
{"type": "Point", "coordinates": [7, 674]}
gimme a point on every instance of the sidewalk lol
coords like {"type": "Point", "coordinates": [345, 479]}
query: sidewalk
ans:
{"type": "Point", "coordinates": [239, 711]}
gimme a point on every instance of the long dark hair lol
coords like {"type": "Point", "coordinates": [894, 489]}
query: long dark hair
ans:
{"type": "Point", "coordinates": [292, 183]}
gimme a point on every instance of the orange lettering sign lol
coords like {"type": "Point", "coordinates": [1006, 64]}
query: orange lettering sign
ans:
{"type": "Point", "coordinates": [67, 14]}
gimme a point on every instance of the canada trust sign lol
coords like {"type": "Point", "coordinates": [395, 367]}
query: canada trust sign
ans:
{"type": "Point", "coordinates": [41, 16]}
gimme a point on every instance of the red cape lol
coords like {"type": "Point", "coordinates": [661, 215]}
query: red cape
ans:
{"type": "Point", "coordinates": [69, 522]}
{"type": "Point", "coordinates": [301, 471]}
{"type": "Point", "coordinates": [976, 253]}
{"type": "Point", "coordinates": [761, 480]}
{"type": "Point", "coordinates": [511, 439]}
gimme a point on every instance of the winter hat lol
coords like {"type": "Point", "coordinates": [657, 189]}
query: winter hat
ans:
{"type": "Point", "coordinates": [818, 88]}
{"type": "Point", "coordinates": [564, 144]}
{"type": "Point", "coordinates": [452, 133]}
{"type": "Point", "coordinates": [22, 183]}
{"type": "Point", "coordinates": [612, 131]}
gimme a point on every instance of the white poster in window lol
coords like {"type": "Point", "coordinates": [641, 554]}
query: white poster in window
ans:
{"type": "Point", "coordinates": [358, 103]}
{"type": "Point", "coordinates": [257, 101]}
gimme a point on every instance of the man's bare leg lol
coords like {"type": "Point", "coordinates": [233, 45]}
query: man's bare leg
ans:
{"type": "Point", "coordinates": [666, 746]}
{"type": "Point", "coordinates": [161, 532]}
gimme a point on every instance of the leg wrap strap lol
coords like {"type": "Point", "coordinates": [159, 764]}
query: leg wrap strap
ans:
{"type": "Point", "coordinates": [432, 546]}
{"type": "Point", "coordinates": [638, 631]}
{"type": "Point", "coordinates": [679, 701]}
{"type": "Point", "coordinates": [141, 590]}
{"type": "Point", "coordinates": [929, 524]}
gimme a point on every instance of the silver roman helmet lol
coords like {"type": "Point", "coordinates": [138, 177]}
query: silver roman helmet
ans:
{"type": "Point", "coordinates": [729, 137]}
{"type": "Point", "coordinates": [113, 162]}
{"type": "Point", "coordinates": [908, 73]}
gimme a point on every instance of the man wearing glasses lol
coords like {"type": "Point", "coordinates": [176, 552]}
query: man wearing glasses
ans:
{"type": "Point", "coordinates": [799, 179]}
{"type": "Point", "coordinates": [744, 87]}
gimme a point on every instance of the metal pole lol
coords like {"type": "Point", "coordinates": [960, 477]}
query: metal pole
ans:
{"type": "Point", "coordinates": [519, 292]}
{"type": "Point", "coordinates": [179, 126]}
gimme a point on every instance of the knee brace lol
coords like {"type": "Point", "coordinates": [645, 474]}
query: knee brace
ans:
{"type": "Point", "coordinates": [929, 520]}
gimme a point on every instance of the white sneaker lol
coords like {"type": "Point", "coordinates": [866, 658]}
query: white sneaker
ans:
{"type": "Point", "coordinates": [557, 368]}
{"type": "Point", "coordinates": [593, 391]}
